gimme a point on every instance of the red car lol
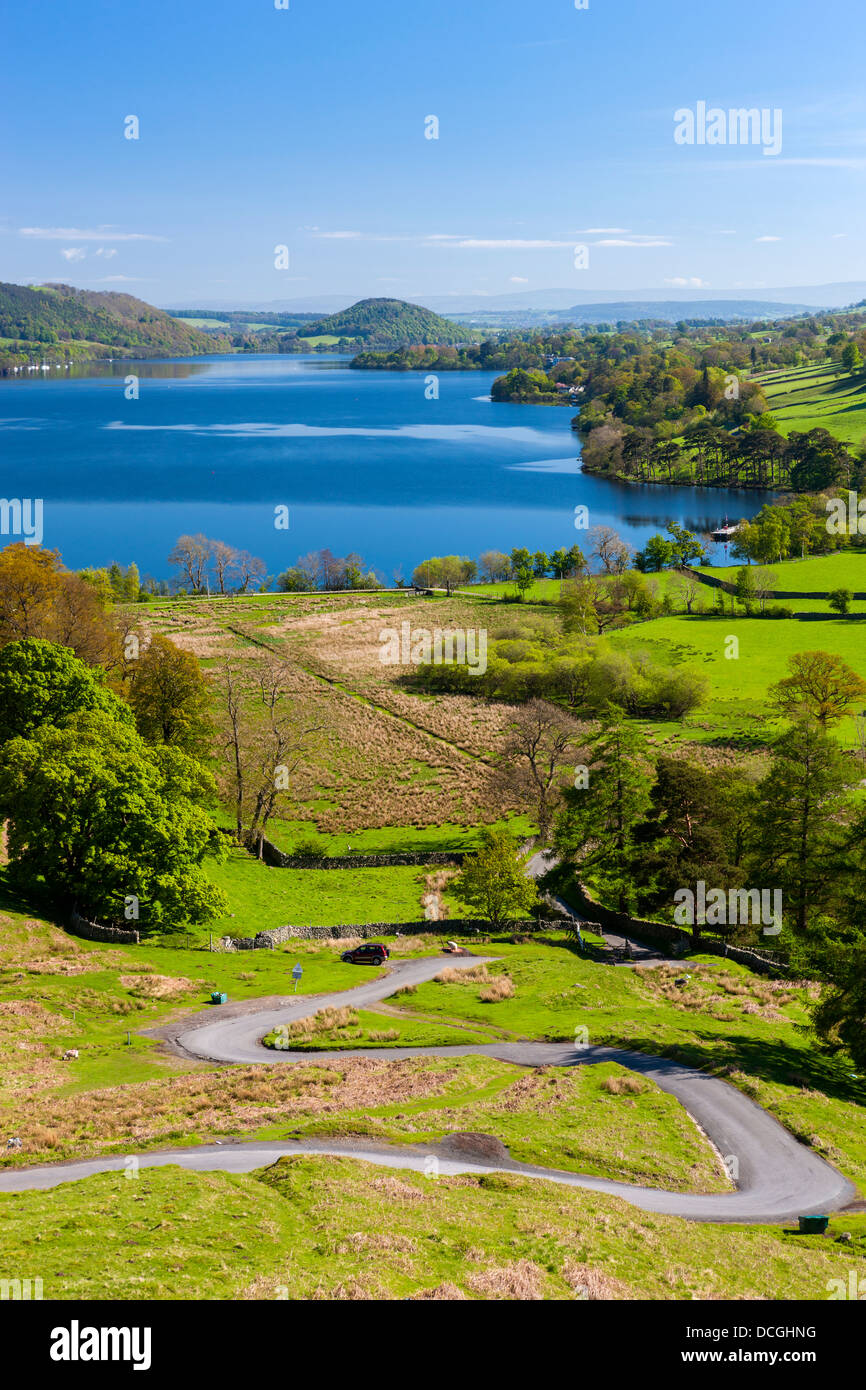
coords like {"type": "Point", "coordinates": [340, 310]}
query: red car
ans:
{"type": "Point", "coordinates": [370, 953]}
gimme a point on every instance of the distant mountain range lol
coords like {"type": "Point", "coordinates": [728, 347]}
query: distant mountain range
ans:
{"type": "Point", "coordinates": [670, 310]}
{"type": "Point", "coordinates": [772, 302]}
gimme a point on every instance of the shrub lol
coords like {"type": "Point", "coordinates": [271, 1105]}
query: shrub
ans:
{"type": "Point", "coordinates": [499, 988]}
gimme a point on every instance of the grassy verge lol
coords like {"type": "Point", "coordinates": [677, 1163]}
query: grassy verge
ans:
{"type": "Point", "coordinates": [319, 1228]}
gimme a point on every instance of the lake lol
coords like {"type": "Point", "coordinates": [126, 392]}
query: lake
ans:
{"type": "Point", "coordinates": [363, 460]}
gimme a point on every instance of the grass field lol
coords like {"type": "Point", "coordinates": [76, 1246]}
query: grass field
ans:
{"type": "Point", "coordinates": [807, 398]}
{"type": "Point", "coordinates": [324, 1228]}
{"type": "Point", "coordinates": [846, 569]}
{"type": "Point", "coordinates": [736, 709]}
{"type": "Point", "coordinates": [394, 839]}
{"type": "Point", "coordinates": [261, 898]}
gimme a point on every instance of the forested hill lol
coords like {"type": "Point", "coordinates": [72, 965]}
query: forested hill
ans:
{"type": "Point", "coordinates": [61, 322]}
{"type": "Point", "coordinates": [389, 323]}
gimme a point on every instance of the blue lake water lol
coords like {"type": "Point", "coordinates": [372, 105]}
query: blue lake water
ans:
{"type": "Point", "coordinates": [362, 460]}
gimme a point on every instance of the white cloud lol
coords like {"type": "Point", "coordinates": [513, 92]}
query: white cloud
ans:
{"type": "Point", "coordinates": [613, 241]}
{"type": "Point", "coordinates": [604, 231]}
{"type": "Point", "coordinates": [79, 234]}
{"type": "Point", "coordinates": [518, 280]}
{"type": "Point", "coordinates": [691, 282]}
{"type": "Point", "coordinates": [475, 244]}
{"type": "Point", "coordinates": [107, 252]}
{"type": "Point", "coordinates": [768, 238]}
{"type": "Point", "coordinates": [339, 236]}
{"type": "Point", "coordinates": [116, 280]}
{"type": "Point", "coordinates": [73, 253]}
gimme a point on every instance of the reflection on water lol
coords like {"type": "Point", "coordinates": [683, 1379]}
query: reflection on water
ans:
{"type": "Point", "coordinates": [365, 461]}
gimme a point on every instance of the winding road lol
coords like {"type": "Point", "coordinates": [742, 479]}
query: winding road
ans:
{"type": "Point", "coordinates": [778, 1179]}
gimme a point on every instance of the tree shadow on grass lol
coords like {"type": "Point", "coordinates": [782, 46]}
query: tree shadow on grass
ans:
{"type": "Point", "coordinates": [779, 1063]}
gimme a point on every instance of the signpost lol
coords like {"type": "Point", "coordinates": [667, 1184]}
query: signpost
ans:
{"type": "Point", "coordinates": [297, 972]}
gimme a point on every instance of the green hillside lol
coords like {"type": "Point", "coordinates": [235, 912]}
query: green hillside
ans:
{"type": "Point", "coordinates": [60, 321]}
{"type": "Point", "coordinates": [389, 323]}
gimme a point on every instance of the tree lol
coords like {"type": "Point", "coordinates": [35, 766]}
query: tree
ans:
{"type": "Point", "coordinates": [493, 566]}
{"type": "Point", "coordinates": [840, 600]}
{"type": "Point", "coordinates": [610, 549]}
{"type": "Point", "coordinates": [851, 358]}
{"type": "Point", "coordinates": [683, 838]}
{"type": "Point", "coordinates": [839, 1018]}
{"type": "Point", "coordinates": [38, 598]}
{"type": "Point", "coordinates": [191, 556]}
{"type": "Point", "coordinates": [250, 570]}
{"type": "Point", "coordinates": [798, 836]}
{"type": "Point", "coordinates": [540, 564]}
{"type": "Point", "coordinates": [657, 554]}
{"type": "Point", "coordinates": [524, 579]}
{"type": "Point", "coordinates": [225, 559]}
{"type": "Point", "coordinates": [170, 697]}
{"type": "Point", "coordinates": [292, 581]}
{"type": "Point", "coordinates": [595, 831]}
{"type": "Point", "coordinates": [540, 739]}
{"type": "Point", "coordinates": [493, 880]}
{"type": "Point", "coordinates": [746, 588]}
{"type": "Point", "coordinates": [97, 820]}
{"type": "Point", "coordinates": [686, 587]}
{"type": "Point", "coordinates": [685, 546]}
{"type": "Point", "coordinates": [266, 736]}
{"type": "Point", "coordinates": [577, 606]}
{"type": "Point", "coordinates": [820, 684]}
{"type": "Point", "coordinates": [43, 683]}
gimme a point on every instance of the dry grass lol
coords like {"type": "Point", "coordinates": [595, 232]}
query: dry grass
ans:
{"type": "Point", "coordinates": [591, 1284]}
{"type": "Point", "coordinates": [719, 993]}
{"type": "Point", "coordinates": [521, 1279]}
{"type": "Point", "coordinates": [500, 988]}
{"type": "Point", "coordinates": [156, 986]}
{"type": "Point", "coordinates": [231, 1101]}
{"type": "Point", "coordinates": [623, 1085]}
{"type": "Point", "coordinates": [328, 1020]}
{"type": "Point", "coordinates": [450, 976]}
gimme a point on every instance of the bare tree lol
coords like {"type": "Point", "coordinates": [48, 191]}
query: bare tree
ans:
{"type": "Point", "coordinates": [610, 549]}
{"type": "Point", "coordinates": [765, 585]}
{"type": "Point", "coordinates": [225, 561]}
{"type": "Point", "coordinates": [266, 737]}
{"type": "Point", "coordinates": [191, 555]}
{"type": "Point", "coordinates": [493, 566]}
{"type": "Point", "coordinates": [541, 738]}
{"type": "Point", "coordinates": [250, 570]}
{"type": "Point", "coordinates": [686, 588]}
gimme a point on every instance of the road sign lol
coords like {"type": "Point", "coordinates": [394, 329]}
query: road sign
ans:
{"type": "Point", "coordinates": [297, 972]}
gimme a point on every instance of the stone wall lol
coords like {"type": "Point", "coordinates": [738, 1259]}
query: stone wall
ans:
{"type": "Point", "coordinates": [93, 931]}
{"type": "Point", "coordinates": [715, 582]}
{"type": "Point", "coordinates": [278, 859]}
{"type": "Point", "coordinates": [463, 926]}
{"type": "Point", "coordinates": [673, 938]}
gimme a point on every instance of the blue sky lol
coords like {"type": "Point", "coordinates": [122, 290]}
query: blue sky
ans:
{"type": "Point", "coordinates": [305, 127]}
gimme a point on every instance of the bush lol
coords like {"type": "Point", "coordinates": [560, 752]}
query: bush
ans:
{"type": "Point", "coordinates": [778, 610]}
{"type": "Point", "coordinates": [310, 848]}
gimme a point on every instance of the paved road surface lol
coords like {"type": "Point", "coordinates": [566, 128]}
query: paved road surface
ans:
{"type": "Point", "coordinates": [778, 1178]}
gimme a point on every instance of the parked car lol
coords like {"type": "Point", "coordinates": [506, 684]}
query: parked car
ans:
{"type": "Point", "coordinates": [369, 953]}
